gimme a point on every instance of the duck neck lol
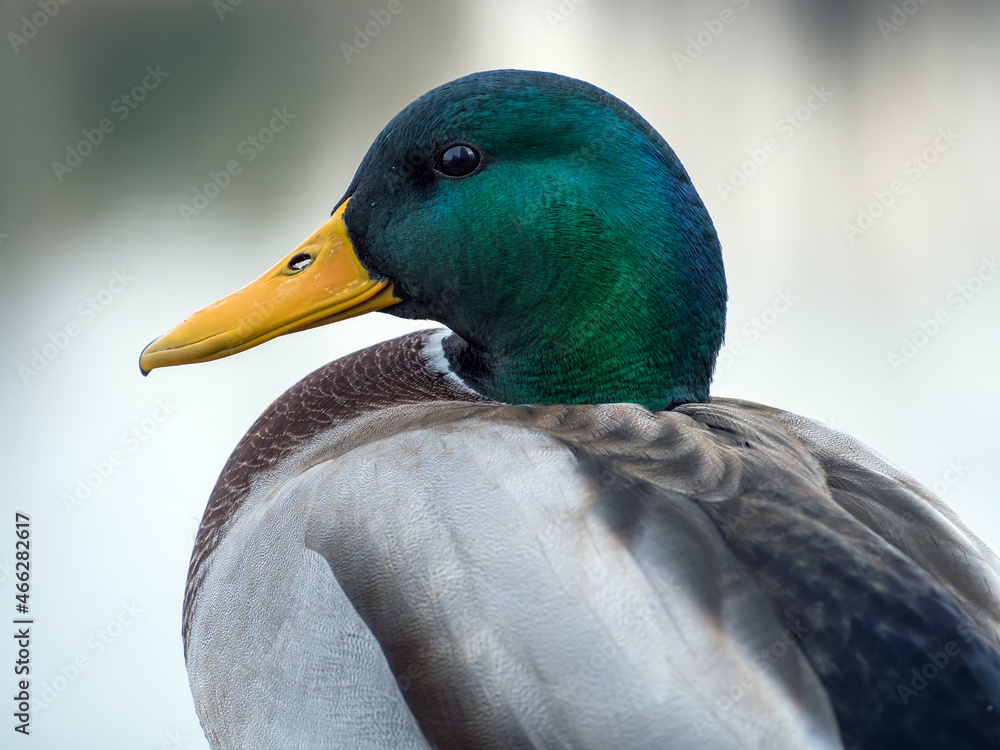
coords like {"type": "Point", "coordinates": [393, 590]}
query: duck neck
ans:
{"type": "Point", "coordinates": [602, 360]}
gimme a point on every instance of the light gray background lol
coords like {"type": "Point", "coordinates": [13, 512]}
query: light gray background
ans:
{"type": "Point", "coordinates": [61, 241]}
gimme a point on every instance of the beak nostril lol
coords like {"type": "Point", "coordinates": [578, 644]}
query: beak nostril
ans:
{"type": "Point", "coordinates": [300, 261]}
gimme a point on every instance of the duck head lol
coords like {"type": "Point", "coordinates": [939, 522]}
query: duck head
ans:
{"type": "Point", "coordinates": [539, 218]}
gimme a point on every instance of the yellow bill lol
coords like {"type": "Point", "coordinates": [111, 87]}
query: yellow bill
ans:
{"type": "Point", "coordinates": [321, 281]}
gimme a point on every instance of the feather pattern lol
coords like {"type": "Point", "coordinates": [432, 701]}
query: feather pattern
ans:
{"type": "Point", "coordinates": [396, 562]}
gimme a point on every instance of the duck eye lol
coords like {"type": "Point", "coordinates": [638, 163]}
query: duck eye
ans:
{"type": "Point", "coordinates": [300, 261]}
{"type": "Point", "coordinates": [458, 161]}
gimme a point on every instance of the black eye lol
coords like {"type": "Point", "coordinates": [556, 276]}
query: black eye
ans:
{"type": "Point", "coordinates": [300, 261]}
{"type": "Point", "coordinates": [458, 161]}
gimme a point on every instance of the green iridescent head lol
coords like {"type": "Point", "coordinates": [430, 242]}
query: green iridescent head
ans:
{"type": "Point", "coordinates": [547, 224]}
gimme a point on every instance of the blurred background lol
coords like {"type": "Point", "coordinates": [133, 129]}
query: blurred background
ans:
{"type": "Point", "coordinates": [847, 151]}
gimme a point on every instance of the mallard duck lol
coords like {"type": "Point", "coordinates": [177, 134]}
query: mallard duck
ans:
{"type": "Point", "coordinates": [535, 528]}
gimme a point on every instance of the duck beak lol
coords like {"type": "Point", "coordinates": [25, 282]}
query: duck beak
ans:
{"type": "Point", "coordinates": [321, 281]}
